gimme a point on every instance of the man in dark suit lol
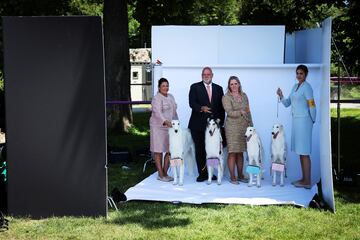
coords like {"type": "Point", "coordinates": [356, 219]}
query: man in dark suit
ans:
{"type": "Point", "coordinates": [205, 100]}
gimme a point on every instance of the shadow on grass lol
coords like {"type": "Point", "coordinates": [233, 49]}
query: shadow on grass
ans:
{"type": "Point", "coordinates": [348, 194]}
{"type": "Point", "coordinates": [349, 143]}
{"type": "Point", "coordinates": [155, 215]}
{"type": "Point", "coordinates": [151, 215]}
{"type": "Point", "coordinates": [349, 154]}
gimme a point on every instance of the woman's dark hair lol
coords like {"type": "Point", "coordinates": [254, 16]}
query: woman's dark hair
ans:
{"type": "Point", "coordinates": [304, 68]}
{"type": "Point", "coordinates": [161, 80]}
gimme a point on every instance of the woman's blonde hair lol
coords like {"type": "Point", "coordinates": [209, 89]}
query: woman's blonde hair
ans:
{"type": "Point", "coordinates": [237, 80]}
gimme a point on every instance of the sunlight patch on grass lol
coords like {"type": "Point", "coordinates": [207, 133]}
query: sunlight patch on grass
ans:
{"type": "Point", "coordinates": [346, 112]}
{"type": "Point", "coordinates": [137, 132]}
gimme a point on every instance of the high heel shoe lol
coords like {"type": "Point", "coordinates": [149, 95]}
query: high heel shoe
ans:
{"type": "Point", "coordinates": [164, 179]}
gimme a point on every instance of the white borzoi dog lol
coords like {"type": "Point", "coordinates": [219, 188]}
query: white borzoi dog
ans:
{"type": "Point", "coordinates": [255, 156]}
{"type": "Point", "coordinates": [214, 151]}
{"type": "Point", "coordinates": [181, 148]}
{"type": "Point", "coordinates": [278, 154]}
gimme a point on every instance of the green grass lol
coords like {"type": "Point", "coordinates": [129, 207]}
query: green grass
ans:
{"type": "Point", "coordinates": [136, 140]}
{"type": "Point", "coordinates": [146, 220]}
{"type": "Point", "coordinates": [154, 220]}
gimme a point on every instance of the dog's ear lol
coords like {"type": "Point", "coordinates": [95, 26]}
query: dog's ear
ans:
{"type": "Point", "coordinates": [208, 120]}
{"type": "Point", "coordinates": [217, 120]}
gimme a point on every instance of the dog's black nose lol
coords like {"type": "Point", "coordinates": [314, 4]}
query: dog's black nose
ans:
{"type": "Point", "coordinates": [272, 133]}
{"type": "Point", "coordinates": [176, 131]}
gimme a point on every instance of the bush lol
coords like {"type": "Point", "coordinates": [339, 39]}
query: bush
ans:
{"type": "Point", "coordinates": [347, 91]}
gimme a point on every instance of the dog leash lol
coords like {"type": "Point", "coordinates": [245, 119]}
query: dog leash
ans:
{"type": "Point", "coordinates": [277, 107]}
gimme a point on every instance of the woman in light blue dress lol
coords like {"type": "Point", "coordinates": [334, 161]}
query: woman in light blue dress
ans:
{"type": "Point", "coordinates": [303, 113]}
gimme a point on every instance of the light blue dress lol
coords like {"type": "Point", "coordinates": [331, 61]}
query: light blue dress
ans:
{"type": "Point", "coordinates": [303, 111]}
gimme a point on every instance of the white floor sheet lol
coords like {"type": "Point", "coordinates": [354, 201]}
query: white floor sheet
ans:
{"type": "Point", "coordinates": [193, 192]}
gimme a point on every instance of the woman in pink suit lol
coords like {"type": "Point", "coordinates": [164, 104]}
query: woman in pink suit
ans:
{"type": "Point", "coordinates": [163, 111]}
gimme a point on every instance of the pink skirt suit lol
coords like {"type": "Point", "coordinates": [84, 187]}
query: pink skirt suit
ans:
{"type": "Point", "coordinates": [163, 108]}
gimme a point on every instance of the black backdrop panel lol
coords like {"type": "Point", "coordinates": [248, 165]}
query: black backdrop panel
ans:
{"type": "Point", "coordinates": [55, 116]}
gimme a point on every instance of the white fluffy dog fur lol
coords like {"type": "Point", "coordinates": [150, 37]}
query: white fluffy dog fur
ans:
{"type": "Point", "coordinates": [254, 152]}
{"type": "Point", "coordinates": [181, 147]}
{"type": "Point", "coordinates": [213, 147]}
{"type": "Point", "coordinates": [278, 152]}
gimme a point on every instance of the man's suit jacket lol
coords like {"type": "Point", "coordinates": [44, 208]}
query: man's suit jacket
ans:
{"type": "Point", "coordinates": [198, 97]}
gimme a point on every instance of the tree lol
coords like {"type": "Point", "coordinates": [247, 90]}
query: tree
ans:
{"type": "Point", "coordinates": [159, 12]}
{"type": "Point", "coordinates": [182, 12]}
{"type": "Point", "coordinates": [346, 33]}
{"type": "Point", "coordinates": [209, 12]}
{"type": "Point", "coordinates": [117, 64]}
{"type": "Point", "coordinates": [291, 13]}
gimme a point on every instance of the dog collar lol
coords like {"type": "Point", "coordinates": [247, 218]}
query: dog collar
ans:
{"type": "Point", "coordinates": [174, 162]}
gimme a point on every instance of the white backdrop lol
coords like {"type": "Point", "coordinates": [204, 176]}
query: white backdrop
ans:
{"type": "Point", "coordinates": [209, 45]}
{"type": "Point", "coordinates": [325, 131]}
{"type": "Point", "coordinates": [239, 50]}
{"type": "Point", "coordinates": [260, 84]}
